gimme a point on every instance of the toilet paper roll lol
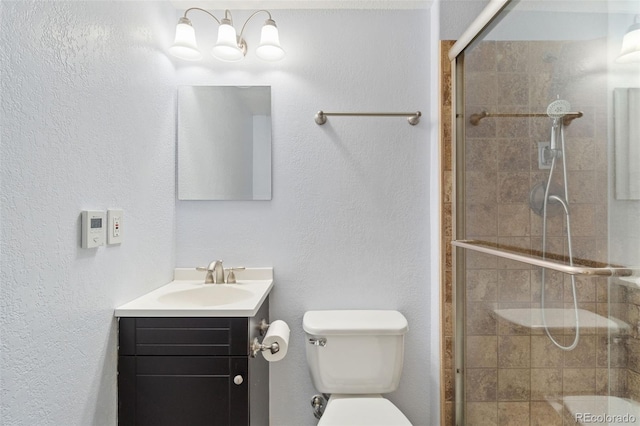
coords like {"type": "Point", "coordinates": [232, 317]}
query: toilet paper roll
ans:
{"type": "Point", "coordinates": [278, 332]}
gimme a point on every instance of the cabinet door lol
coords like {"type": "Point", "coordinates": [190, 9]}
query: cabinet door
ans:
{"type": "Point", "coordinates": [181, 391]}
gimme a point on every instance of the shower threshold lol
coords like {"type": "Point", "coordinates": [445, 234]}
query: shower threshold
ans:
{"type": "Point", "coordinates": [602, 410]}
{"type": "Point", "coordinates": [561, 318]}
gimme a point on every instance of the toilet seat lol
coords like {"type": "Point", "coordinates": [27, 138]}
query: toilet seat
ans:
{"type": "Point", "coordinates": [362, 410]}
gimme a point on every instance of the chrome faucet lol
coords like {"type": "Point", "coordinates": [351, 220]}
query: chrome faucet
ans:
{"type": "Point", "coordinates": [215, 273]}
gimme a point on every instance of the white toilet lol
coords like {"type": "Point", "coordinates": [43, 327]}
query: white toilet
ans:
{"type": "Point", "coordinates": [356, 356]}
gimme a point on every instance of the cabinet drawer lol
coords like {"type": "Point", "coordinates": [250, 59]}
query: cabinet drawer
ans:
{"type": "Point", "coordinates": [183, 336]}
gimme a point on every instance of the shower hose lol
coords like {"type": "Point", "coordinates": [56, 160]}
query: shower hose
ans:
{"type": "Point", "coordinates": [558, 133]}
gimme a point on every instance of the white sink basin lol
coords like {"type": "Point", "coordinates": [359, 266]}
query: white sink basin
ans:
{"type": "Point", "coordinates": [207, 295]}
{"type": "Point", "coordinates": [188, 296]}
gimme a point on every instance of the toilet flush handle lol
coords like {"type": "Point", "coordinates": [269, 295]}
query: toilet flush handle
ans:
{"type": "Point", "coordinates": [320, 341]}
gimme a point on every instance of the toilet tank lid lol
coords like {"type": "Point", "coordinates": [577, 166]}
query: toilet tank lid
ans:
{"type": "Point", "coordinates": [354, 322]}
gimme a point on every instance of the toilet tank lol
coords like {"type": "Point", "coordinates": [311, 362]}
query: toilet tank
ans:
{"type": "Point", "coordinates": [355, 352]}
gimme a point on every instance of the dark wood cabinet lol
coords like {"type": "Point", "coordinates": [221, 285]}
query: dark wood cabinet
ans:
{"type": "Point", "coordinates": [191, 372]}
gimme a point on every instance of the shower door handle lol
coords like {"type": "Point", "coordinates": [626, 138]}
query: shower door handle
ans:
{"type": "Point", "coordinates": [482, 247]}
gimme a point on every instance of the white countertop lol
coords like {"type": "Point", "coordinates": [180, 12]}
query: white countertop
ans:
{"type": "Point", "coordinates": [188, 296]}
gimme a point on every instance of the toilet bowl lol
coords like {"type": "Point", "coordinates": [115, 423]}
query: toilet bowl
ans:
{"type": "Point", "coordinates": [356, 356]}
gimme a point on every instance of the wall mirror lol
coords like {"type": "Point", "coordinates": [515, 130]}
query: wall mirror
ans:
{"type": "Point", "coordinates": [224, 143]}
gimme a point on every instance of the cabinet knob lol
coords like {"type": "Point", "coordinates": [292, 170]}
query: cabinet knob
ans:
{"type": "Point", "coordinates": [238, 380]}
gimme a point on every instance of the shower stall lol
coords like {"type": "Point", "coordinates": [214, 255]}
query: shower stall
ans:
{"type": "Point", "coordinates": [546, 231]}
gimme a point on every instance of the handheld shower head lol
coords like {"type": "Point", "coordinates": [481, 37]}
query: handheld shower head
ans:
{"type": "Point", "coordinates": [558, 108]}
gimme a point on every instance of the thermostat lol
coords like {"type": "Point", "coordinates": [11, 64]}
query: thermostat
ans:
{"type": "Point", "coordinates": [93, 228]}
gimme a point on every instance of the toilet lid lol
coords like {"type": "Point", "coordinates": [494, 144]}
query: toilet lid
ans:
{"type": "Point", "coordinates": [366, 411]}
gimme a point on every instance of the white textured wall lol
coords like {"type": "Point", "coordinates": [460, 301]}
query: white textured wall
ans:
{"type": "Point", "coordinates": [348, 226]}
{"type": "Point", "coordinates": [88, 112]}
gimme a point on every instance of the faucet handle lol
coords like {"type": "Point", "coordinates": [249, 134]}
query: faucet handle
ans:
{"type": "Point", "coordinates": [231, 278]}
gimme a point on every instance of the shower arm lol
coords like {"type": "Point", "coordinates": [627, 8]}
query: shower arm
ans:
{"type": "Point", "coordinates": [568, 118]}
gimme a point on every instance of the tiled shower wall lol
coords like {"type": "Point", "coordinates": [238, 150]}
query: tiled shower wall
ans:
{"type": "Point", "coordinates": [515, 375]}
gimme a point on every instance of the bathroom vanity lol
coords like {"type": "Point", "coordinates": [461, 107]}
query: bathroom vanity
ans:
{"type": "Point", "coordinates": [184, 360]}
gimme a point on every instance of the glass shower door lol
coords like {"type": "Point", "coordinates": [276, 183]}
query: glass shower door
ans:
{"type": "Point", "coordinates": [547, 305]}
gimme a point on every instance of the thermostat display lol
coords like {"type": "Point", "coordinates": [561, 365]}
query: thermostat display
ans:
{"type": "Point", "coordinates": [93, 231]}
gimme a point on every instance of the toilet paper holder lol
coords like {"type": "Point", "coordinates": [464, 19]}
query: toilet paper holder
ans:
{"type": "Point", "coordinates": [256, 346]}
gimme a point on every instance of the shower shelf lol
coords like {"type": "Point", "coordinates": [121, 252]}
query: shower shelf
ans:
{"type": "Point", "coordinates": [512, 253]}
{"type": "Point", "coordinates": [558, 318]}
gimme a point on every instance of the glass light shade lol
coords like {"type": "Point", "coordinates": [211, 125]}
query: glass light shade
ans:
{"type": "Point", "coordinates": [269, 48]}
{"type": "Point", "coordinates": [630, 46]}
{"type": "Point", "coordinates": [184, 45]}
{"type": "Point", "coordinates": [226, 48]}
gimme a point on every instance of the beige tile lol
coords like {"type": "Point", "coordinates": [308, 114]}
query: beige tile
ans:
{"type": "Point", "coordinates": [514, 155]}
{"type": "Point", "coordinates": [580, 154]}
{"type": "Point", "coordinates": [512, 56]}
{"type": "Point", "coordinates": [447, 362]}
{"type": "Point", "coordinates": [546, 384]}
{"type": "Point", "coordinates": [583, 220]}
{"type": "Point", "coordinates": [514, 128]}
{"type": "Point", "coordinates": [553, 288]}
{"type": "Point", "coordinates": [514, 220]}
{"type": "Point", "coordinates": [513, 90]}
{"type": "Point", "coordinates": [449, 380]}
{"type": "Point", "coordinates": [633, 350]}
{"type": "Point", "coordinates": [514, 285]}
{"type": "Point", "coordinates": [477, 260]}
{"type": "Point", "coordinates": [447, 190]}
{"type": "Point", "coordinates": [513, 413]}
{"type": "Point", "coordinates": [480, 319]}
{"type": "Point", "coordinates": [482, 57]}
{"type": "Point", "coordinates": [584, 354]}
{"type": "Point", "coordinates": [544, 353]}
{"type": "Point", "coordinates": [514, 351]}
{"type": "Point", "coordinates": [481, 155]}
{"type": "Point", "coordinates": [449, 414]}
{"type": "Point", "coordinates": [585, 289]}
{"type": "Point", "coordinates": [633, 385]}
{"type": "Point", "coordinates": [481, 187]}
{"type": "Point", "coordinates": [482, 285]}
{"type": "Point", "coordinates": [481, 220]}
{"type": "Point", "coordinates": [447, 219]}
{"type": "Point", "coordinates": [481, 352]}
{"type": "Point", "coordinates": [513, 187]}
{"type": "Point", "coordinates": [482, 413]}
{"type": "Point", "coordinates": [618, 381]}
{"type": "Point", "coordinates": [514, 384]}
{"type": "Point", "coordinates": [481, 384]}
{"type": "Point", "coordinates": [579, 381]}
{"type": "Point", "coordinates": [544, 414]}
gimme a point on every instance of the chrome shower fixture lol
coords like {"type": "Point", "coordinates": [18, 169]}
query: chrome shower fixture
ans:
{"type": "Point", "coordinates": [230, 47]}
{"type": "Point", "coordinates": [557, 110]}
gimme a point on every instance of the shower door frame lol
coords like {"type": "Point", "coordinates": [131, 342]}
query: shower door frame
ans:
{"type": "Point", "coordinates": [456, 56]}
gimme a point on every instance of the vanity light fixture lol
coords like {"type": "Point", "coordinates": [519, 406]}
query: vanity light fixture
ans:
{"type": "Point", "coordinates": [230, 47]}
{"type": "Point", "coordinates": [631, 44]}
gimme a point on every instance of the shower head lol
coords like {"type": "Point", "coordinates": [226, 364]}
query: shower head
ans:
{"type": "Point", "coordinates": [558, 108]}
